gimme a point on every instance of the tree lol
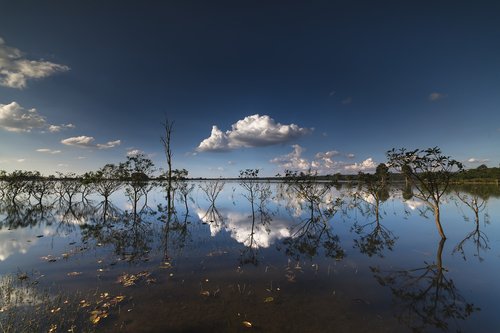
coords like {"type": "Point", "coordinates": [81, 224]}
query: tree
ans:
{"type": "Point", "coordinates": [138, 170]}
{"type": "Point", "coordinates": [166, 140]}
{"type": "Point", "coordinates": [430, 172]}
{"type": "Point", "coordinates": [382, 172]}
{"type": "Point", "coordinates": [107, 180]}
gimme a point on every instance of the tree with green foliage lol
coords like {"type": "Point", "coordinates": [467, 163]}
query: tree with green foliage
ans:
{"type": "Point", "coordinates": [137, 170]}
{"type": "Point", "coordinates": [430, 172]}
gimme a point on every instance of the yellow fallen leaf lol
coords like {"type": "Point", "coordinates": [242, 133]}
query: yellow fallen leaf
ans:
{"type": "Point", "coordinates": [205, 293]}
{"type": "Point", "coordinates": [268, 299]}
{"type": "Point", "coordinates": [247, 324]}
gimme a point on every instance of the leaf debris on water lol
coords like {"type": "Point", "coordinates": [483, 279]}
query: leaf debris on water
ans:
{"type": "Point", "coordinates": [247, 324]}
{"type": "Point", "coordinates": [128, 280]}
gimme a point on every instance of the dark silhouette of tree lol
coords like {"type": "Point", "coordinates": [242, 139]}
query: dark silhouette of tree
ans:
{"type": "Point", "coordinates": [211, 190]}
{"type": "Point", "coordinates": [182, 185]}
{"type": "Point", "coordinates": [314, 231]}
{"type": "Point", "coordinates": [68, 186]}
{"type": "Point", "coordinates": [430, 173]}
{"type": "Point", "coordinates": [257, 192]}
{"type": "Point", "coordinates": [374, 190]}
{"type": "Point", "coordinates": [138, 170]}
{"type": "Point", "coordinates": [477, 204]}
{"type": "Point", "coordinates": [166, 141]}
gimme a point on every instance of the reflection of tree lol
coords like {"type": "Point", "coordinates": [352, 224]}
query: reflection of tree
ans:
{"type": "Point", "coordinates": [314, 231]}
{"type": "Point", "coordinates": [425, 296]}
{"type": "Point", "coordinates": [73, 214]}
{"type": "Point", "coordinates": [22, 214]}
{"type": "Point", "coordinates": [477, 204]}
{"type": "Point", "coordinates": [258, 194]}
{"type": "Point", "coordinates": [376, 241]}
{"type": "Point", "coordinates": [211, 190]}
{"type": "Point", "coordinates": [131, 240]}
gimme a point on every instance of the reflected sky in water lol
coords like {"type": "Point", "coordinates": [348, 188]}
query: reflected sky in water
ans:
{"type": "Point", "coordinates": [215, 266]}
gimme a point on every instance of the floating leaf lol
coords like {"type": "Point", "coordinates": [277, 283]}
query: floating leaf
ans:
{"type": "Point", "coordinates": [74, 273]}
{"type": "Point", "coordinates": [97, 315]}
{"type": "Point", "coordinates": [247, 324]}
{"type": "Point", "coordinates": [128, 280]}
{"type": "Point", "coordinates": [268, 299]}
{"type": "Point", "coordinates": [205, 293]}
{"type": "Point", "coordinates": [53, 328]}
{"type": "Point", "coordinates": [84, 303]}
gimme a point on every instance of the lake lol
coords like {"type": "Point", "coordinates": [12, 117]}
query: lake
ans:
{"type": "Point", "coordinates": [269, 257]}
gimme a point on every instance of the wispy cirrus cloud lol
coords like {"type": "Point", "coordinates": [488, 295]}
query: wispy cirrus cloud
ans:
{"type": "Point", "coordinates": [48, 151]}
{"type": "Point", "coordinates": [323, 162]}
{"type": "Point", "coordinates": [347, 100]}
{"type": "Point", "coordinates": [84, 141]}
{"type": "Point", "coordinates": [16, 69]}
{"type": "Point", "coordinates": [58, 128]}
{"type": "Point", "coordinates": [252, 131]}
{"type": "Point", "coordinates": [478, 160]}
{"type": "Point", "coordinates": [436, 96]}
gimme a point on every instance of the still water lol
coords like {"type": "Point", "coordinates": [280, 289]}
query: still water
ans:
{"type": "Point", "coordinates": [263, 256]}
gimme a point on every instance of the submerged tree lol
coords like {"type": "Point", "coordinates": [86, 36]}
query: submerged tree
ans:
{"type": "Point", "coordinates": [138, 170]}
{"type": "Point", "coordinates": [212, 189]}
{"type": "Point", "coordinates": [166, 141]}
{"type": "Point", "coordinates": [430, 172]}
{"type": "Point", "coordinates": [257, 193]}
{"type": "Point", "coordinates": [373, 189]}
{"type": "Point", "coordinates": [477, 204]}
{"type": "Point", "coordinates": [183, 186]}
{"type": "Point", "coordinates": [314, 230]}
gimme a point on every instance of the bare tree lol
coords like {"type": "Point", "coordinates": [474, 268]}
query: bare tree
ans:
{"type": "Point", "coordinates": [166, 140]}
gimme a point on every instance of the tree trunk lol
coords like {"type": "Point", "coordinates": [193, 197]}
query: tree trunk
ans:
{"type": "Point", "coordinates": [438, 222]}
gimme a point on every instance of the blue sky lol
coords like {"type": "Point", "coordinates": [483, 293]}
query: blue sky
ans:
{"type": "Point", "coordinates": [330, 85]}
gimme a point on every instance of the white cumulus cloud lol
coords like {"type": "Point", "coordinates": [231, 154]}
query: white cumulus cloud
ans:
{"type": "Point", "coordinates": [84, 141]}
{"type": "Point", "coordinates": [323, 162]}
{"type": "Point", "coordinates": [15, 69]}
{"type": "Point", "coordinates": [365, 166]}
{"type": "Point", "coordinates": [15, 118]}
{"type": "Point", "coordinates": [252, 131]}
{"type": "Point", "coordinates": [293, 160]}
{"type": "Point", "coordinates": [134, 152]}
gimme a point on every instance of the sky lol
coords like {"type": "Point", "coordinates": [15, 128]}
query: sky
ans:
{"type": "Point", "coordinates": [273, 85]}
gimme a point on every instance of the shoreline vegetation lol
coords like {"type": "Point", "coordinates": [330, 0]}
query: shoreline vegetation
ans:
{"type": "Point", "coordinates": [490, 176]}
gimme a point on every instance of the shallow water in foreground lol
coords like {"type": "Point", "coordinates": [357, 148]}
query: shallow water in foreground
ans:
{"type": "Point", "coordinates": [89, 266]}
